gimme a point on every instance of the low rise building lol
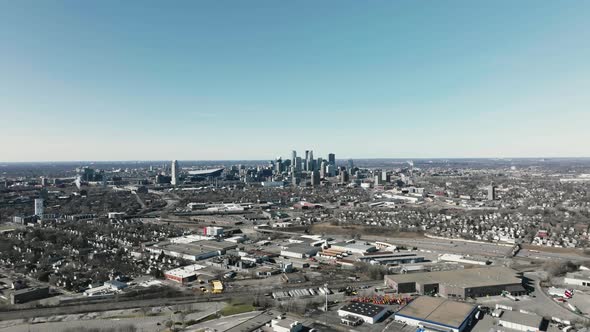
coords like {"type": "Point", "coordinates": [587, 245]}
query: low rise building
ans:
{"type": "Point", "coordinates": [369, 313]}
{"type": "Point", "coordinates": [437, 314]}
{"type": "Point", "coordinates": [520, 321]}
{"type": "Point", "coordinates": [476, 282]}
{"type": "Point", "coordinates": [184, 274]}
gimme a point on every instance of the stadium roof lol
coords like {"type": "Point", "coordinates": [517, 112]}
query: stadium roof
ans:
{"type": "Point", "coordinates": [207, 172]}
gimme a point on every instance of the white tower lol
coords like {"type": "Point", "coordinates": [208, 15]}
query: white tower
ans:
{"type": "Point", "coordinates": [39, 209]}
{"type": "Point", "coordinates": [174, 180]}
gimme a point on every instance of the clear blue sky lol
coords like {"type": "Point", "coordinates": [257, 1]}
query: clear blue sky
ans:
{"type": "Point", "coordinates": [129, 80]}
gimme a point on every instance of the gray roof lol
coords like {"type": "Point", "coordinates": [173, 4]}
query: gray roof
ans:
{"type": "Point", "coordinates": [530, 320]}
{"type": "Point", "coordinates": [438, 311]}
{"type": "Point", "coordinates": [467, 278]}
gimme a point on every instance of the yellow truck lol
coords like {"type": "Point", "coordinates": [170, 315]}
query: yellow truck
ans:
{"type": "Point", "coordinates": [217, 287]}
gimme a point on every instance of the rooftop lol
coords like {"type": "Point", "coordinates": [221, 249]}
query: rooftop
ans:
{"type": "Point", "coordinates": [365, 309]}
{"type": "Point", "coordinates": [438, 311]}
{"type": "Point", "coordinates": [477, 277]}
{"type": "Point", "coordinates": [521, 318]}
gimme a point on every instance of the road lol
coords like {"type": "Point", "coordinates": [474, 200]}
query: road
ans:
{"type": "Point", "coordinates": [556, 310]}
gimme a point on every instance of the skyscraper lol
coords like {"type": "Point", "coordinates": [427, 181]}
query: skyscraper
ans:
{"type": "Point", "coordinates": [174, 180]}
{"type": "Point", "coordinates": [39, 208]}
{"type": "Point", "coordinates": [332, 159]}
{"type": "Point", "coordinates": [315, 178]}
{"type": "Point", "coordinates": [323, 167]}
{"type": "Point", "coordinates": [294, 159]}
{"type": "Point", "coordinates": [350, 166]}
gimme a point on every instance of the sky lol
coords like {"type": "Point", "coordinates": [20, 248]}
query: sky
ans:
{"type": "Point", "coordinates": [228, 80]}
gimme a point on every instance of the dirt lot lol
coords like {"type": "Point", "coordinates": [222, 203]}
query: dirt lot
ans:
{"type": "Point", "coordinates": [362, 230]}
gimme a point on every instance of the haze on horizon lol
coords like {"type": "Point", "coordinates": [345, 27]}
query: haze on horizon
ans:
{"type": "Point", "coordinates": [230, 80]}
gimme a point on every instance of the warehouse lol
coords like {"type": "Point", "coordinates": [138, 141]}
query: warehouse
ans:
{"type": "Point", "coordinates": [183, 274]}
{"type": "Point", "coordinates": [355, 248]}
{"type": "Point", "coordinates": [192, 251]}
{"type": "Point", "coordinates": [437, 314]}
{"type": "Point", "coordinates": [476, 282]}
{"type": "Point", "coordinates": [29, 294]}
{"type": "Point", "coordinates": [520, 321]}
{"type": "Point", "coordinates": [299, 251]}
{"type": "Point", "coordinates": [391, 258]}
{"type": "Point", "coordinates": [369, 313]}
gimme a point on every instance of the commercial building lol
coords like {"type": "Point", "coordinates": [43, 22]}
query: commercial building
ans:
{"type": "Point", "coordinates": [476, 282]}
{"type": "Point", "coordinates": [184, 274]}
{"type": "Point", "coordinates": [369, 313]}
{"type": "Point", "coordinates": [437, 314]}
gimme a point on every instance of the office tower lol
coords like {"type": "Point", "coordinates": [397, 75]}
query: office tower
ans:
{"type": "Point", "coordinates": [343, 176]}
{"type": "Point", "coordinates": [315, 178]}
{"type": "Point", "coordinates": [39, 208]}
{"type": "Point", "coordinates": [294, 158]}
{"type": "Point", "coordinates": [378, 180]}
{"type": "Point", "coordinates": [384, 176]}
{"type": "Point", "coordinates": [323, 167]}
{"type": "Point", "coordinates": [331, 170]}
{"type": "Point", "coordinates": [350, 165]}
{"type": "Point", "coordinates": [174, 167]}
{"type": "Point", "coordinates": [294, 180]}
{"type": "Point", "coordinates": [332, 159]}
{"type": "Point", "coordinates": [491, 192]}
{"type": "Point", "coordinates": [44, 181]}
{"type": "Point", "coordinates": [278, 166]}
{"type": "Point", "coordinates": [306, 160]}
{"type": "Point", "coordinates": [318, 164]}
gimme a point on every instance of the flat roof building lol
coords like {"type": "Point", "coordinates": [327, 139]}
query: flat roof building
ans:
{"type": "Point", "coordinates": [520, 321]}
{"type": "Point", "coordinates": [183, 274]}
{"type": "Point", "coordinates": [437, 314]}
{"type": "Point", "coordinates": [477, 282]}
{"type": "Point", "coordinates": [369, 313]}
{"type": "Point", "coordinates": [193, 251]}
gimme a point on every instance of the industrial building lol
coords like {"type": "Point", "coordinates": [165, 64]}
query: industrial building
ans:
{"type": "Point", "coordinates": [520, 321]}
{"type": "Point", "coordinates": [183, 274]}
{"type": "Point", "coordinates": [355, 248]}
{"type": "Point", "coordinates": [391, 258]}
{"type": "Point", "coordinates": [476, 282]}
{"type": "Point", "coordinates": [369, 313]}
{"type": "Point", "coordinates": [437, 314]}
{"type": "Point", "coordinates": [581, 278]}
{"type": "Point", "coordinates": [29, 294]}
{"type": "Point", "coordinates": [299, 251]}
{"type": "Point", "coordinates": [193, 251]}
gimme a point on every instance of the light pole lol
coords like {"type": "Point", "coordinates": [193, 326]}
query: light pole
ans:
{"type": "Point", "coordinates": [326, 307]}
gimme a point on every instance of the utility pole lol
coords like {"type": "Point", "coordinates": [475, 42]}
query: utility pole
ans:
{"type": "Point", "coordinates": [326, 307]}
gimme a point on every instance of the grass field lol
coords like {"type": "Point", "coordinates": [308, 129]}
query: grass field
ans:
{"type": "Point", "coordinates": [234, 309]}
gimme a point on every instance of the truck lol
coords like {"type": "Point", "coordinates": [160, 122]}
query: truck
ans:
{"type": "Point", "coordinates": [217, 287]}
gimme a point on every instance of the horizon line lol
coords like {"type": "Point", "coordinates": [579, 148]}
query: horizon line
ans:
{"type": "Point", "coordinates": [252, 160]}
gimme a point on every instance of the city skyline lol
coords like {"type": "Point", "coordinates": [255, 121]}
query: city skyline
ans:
{"type": "Point", "coordinates": [215, 82]}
